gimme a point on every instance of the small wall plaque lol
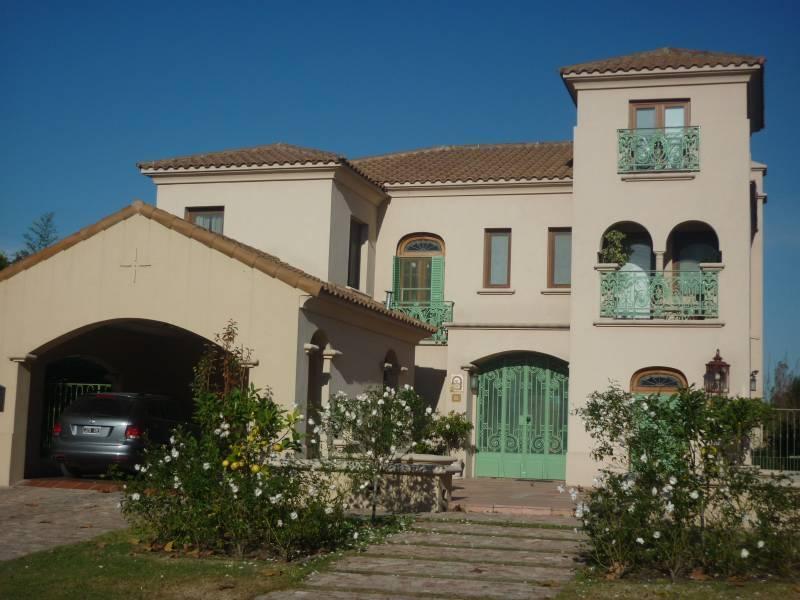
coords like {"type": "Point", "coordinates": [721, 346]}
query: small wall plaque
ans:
{"type": "Point", "coordinates": [455, 397]}
{"type": "Point", "coordinates": [456, 383]}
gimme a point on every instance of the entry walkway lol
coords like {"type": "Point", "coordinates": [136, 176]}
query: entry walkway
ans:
{"type": "Point", "coordinates": [445, 556]}
{"type": "Point", "coordinates": [34, 518]}
{"type": "Point", "coordinates": [510, 497]}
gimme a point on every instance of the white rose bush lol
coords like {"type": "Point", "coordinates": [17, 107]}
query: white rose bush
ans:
{"type": "Point", "coordinates": [678, 496]}
{"type": "Point", "coordinates": [214, 488]}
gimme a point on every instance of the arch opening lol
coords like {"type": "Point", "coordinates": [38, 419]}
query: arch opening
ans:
{"type": "Point", "coordinates": [121, 355]}
{"type": "Point", "coordinates": [691, 243]}
{"type": "Point", "coordinates": [658, 380]}
{"type": "Point", "coordinates": [637, 244]}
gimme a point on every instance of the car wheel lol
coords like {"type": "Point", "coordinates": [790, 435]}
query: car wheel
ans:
{"type": "Point", "coordinates": [69, 471]}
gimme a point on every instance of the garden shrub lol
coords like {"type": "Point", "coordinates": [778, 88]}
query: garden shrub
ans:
{"type": "Point", "coordinates": [677, 495]}
{"type": "Point", "coordinates": [446, 434]}
{"type": "Point", "coordinates": [213, 486]}
{"type": "Point", "coordinates": [372, 430]}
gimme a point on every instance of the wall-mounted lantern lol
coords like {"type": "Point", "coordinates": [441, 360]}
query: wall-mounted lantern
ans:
{"type": "Point", "coordinates": [753, 380]}
{"type": "Point", "coordinates": [717, 375]}
{"type": "Point", "coordinates": [473, 383]}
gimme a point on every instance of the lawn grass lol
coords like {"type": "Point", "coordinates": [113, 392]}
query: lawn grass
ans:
{"type": "Point", "coordinates": [115, 566]}
{"type": "Point", "coordinates": [584, 588]}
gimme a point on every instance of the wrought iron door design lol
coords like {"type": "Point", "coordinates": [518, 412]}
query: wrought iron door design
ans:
{"type": "Point", "coordinates": [522, 407]}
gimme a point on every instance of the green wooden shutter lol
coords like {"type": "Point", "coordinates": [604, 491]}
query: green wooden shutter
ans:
{"type": "Point", "coordinates": [396, 279]}
{"type": "Point", "coordinates": [437, 279]}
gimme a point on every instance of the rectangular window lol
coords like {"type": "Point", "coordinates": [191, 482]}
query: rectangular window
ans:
{"type": "Point", "coordinates": [357, 238]}
{"type": "Point", "coordinates": [207, 217]}
{"type": "Point", "coordinates": [659, 115]}
{"type": "Point", "coordinates": [559, 257]}
{"type": "Point", "coordinates": [497, 258]}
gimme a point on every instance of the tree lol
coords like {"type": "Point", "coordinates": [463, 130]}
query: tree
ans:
{"type": "Point", "coordinates": [785, 391]}
{"type": "Point", "coordinates": [40, 234]}
{"type": "Point", "coordinates": [3, 260]}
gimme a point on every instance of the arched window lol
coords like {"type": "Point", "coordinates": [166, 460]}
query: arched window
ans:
{"type": "Point", "coordinates": [657, 380]}
{"type": "Point", "coordinates": [418, 273]}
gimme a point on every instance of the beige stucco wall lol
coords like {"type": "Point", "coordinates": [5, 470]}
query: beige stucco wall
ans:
{"type": "Point", "coordinates": [285, 215]}
{"type": "Point", "coordinates": [85, 285]}
{"type": "Point", "coordinates": [718, 195]}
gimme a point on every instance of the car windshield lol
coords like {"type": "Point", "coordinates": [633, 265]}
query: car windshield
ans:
{"type": "Point", "coordinates": [102, 406]}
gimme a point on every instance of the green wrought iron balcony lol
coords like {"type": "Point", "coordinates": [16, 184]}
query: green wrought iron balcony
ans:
{"type": "Point", "coordinates": [678, 295]}
{"type": "Point", "coordinates": [433, 313]}
{"type": "Point", "coordinates": [664, 149]}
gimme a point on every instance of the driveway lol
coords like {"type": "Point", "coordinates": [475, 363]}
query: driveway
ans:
{"type": "Point", "coordinates": [38, 518]}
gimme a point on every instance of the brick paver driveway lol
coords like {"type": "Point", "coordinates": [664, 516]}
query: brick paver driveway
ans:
{"type": "Point", "coordinates": [37, 518]}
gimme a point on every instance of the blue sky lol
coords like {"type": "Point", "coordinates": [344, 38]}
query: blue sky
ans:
{"type": "Point", "coordinates": [89, 88]}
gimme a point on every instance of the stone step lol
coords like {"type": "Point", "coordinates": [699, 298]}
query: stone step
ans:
{"type": "Point", "coordinates": [434, 587]}
{"type": "Point", "coordinates": [483, 541]}
{"type": "Point", "coordinates": [480, 555]}
{"type": "Point", "coordinates": [452, 568]}
{"type": "Point", "coordinates": [526, 520]}
{"type": "Point", "coordinates": [328, 594]}
{"type": "Point", "coordinates": [499, 530]}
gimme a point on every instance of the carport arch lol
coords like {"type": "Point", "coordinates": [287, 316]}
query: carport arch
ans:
{"type": "Point", "coordinates": [146, 356]}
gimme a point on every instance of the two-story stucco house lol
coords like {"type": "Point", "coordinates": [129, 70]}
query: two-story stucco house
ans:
{"type": "Point", "coordinates": [544, 270]}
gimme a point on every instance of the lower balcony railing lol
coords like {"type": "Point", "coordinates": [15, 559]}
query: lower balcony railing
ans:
{"type": "Point", "coordinates": [681, 295]}
{"type": "Point", "coordinates": [664, 149]}
{"type": "Point", "coordinates": [433, 313]}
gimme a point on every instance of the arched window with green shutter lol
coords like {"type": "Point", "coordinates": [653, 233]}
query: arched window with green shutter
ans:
{"type": "Point", "coordinates": [418, 272]}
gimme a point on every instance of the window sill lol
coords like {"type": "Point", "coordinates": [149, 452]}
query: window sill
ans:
{"type": "Point", "coordinates": [659, 176]}
{"type": "Point", "coordinates": [557, 291]}
{"type": "Point", "coordinates": [496, 292]}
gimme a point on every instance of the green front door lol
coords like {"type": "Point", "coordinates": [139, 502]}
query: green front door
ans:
{"type": "Point", "coordinates": [522, 408]}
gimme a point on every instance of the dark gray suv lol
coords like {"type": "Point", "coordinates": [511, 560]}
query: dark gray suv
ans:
{"type": "Point", "coordinates": [104, 429]}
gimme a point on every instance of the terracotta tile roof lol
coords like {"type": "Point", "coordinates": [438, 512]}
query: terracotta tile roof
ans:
{"type": "Point", "coordinates": [251, 257]}
{"type": "Point", "coordinates": [483, 162]}
{"type": "Point", "coordinates": [664, 58]}
{"type": "Point", "coordinates": [268, 155]}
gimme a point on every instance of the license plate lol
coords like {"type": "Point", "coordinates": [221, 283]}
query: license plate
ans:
{"type": "Point", "coordinates": [90, 429]}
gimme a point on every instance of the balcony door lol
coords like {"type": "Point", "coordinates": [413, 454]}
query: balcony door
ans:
{"type": "Point", "coordinates": [418, 271]}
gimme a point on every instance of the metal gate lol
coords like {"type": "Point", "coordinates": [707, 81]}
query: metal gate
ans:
{"type": "Point", "coordinates": [522, 418]}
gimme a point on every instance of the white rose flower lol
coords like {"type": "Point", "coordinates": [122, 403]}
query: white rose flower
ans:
{"type": "Point", "coordinates": [172, 439]}
{"type": "Point", "coordinates": [293, 515]}
{"type": "Point", "coordinates": [206, 466]}
{"type": "Point", "coordinates": [167, 459]}
{"type": "Point", "coordinates": [258, 492]}
{"type": "Point", "coordinates": [328, 510]}
{"type": "Point", "coordinates": [639, 540]}
{"type": "Point", "coordinates": [428, 410]}
{"type": "Point", "coordinates": [694, 495]}
{"type": "Point", "coordinates": [670, 507]}
{"type": "Point", "coordinates": [657, 534]}
{"type": "Point", "coordinates": [355, 535]}
{"type": "Point", "coordinates": [217, 431]}
{"type": "Point", "coordinates": [673, 481]}
{"type": "Point", "coordinates": [760, 543]}
{"type": "Point", "coordinates": [137, 467]}
{"type": "Point", "coordinates": [135, 496]}
{"type": "Point", "coordinates": [654, 491]}
{"type": "Point", "coordinates": [745, 553]}
{"type": "Point", "coordinates": [310, 421]}
{"type": "Point", "coordinates": [174, 453]}
{"type": "Point", "coordinates": [560, 489]}
{"type": "Point", "coordinates": [279, 523]}
{"type": "Point", "coordinates": [380, 401]}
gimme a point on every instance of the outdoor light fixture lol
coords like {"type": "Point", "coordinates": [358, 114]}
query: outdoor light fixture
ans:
{"type": "Point", "coordinates": [753, 380]}
{"type": "Point", "coordinates": [389, 298]}
{"type": "Point", "coordinates": [717, 375]}
{"type": "Point", "coordinates": [473, 383]}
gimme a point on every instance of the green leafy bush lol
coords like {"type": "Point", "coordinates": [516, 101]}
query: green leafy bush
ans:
{"type": "Point", "coordinates": [218, 487]}
{"type": "Point", "coordinates": [448, 433]}
{"type": "Point", "coordinates": [615, 250]}
{"type": "Point", "coordinates": [677, 495]}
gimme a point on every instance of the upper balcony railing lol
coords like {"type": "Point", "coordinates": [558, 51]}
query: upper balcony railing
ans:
{"type": "Point", "coordinates": [677, 295]}
{"type": "Point", "coordinates": [433, 313]}
{"type": "Point", "coordinates": [663, 149]}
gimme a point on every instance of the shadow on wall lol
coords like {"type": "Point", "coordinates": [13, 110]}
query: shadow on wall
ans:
{"type": "Point", "coordinates": [429, 382]}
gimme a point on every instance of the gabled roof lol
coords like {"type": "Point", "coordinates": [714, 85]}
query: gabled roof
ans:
{"type": "Point", "coordinates": [663, 58]}
{"type": "Point", "coordinates": [249, 256]}
{"type": "Point", "coordinates": [476, 163]}
{"type": "Point", "coordinates": [267, 155]}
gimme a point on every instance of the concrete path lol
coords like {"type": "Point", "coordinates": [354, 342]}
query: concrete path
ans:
{"type": "Point", "coordinates": [447, 557]}
{"type": "Point", "coordinates": [37, 518]}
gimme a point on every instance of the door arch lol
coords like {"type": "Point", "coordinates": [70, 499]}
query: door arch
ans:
{"type": "Point", "coordinates": [522, 411]}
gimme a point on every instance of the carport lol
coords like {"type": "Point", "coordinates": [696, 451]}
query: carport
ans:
{"type": "Point", "coordinates": [129, 302]}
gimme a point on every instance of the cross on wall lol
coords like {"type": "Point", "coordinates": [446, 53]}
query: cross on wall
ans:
{"type": "Point", "coordinates": [135, 265]}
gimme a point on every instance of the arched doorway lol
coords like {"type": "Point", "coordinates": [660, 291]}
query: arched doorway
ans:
{"type": "Point", "coordinates": [522, 408]}
{"type": "Point", "coordinates": [121, 355]}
